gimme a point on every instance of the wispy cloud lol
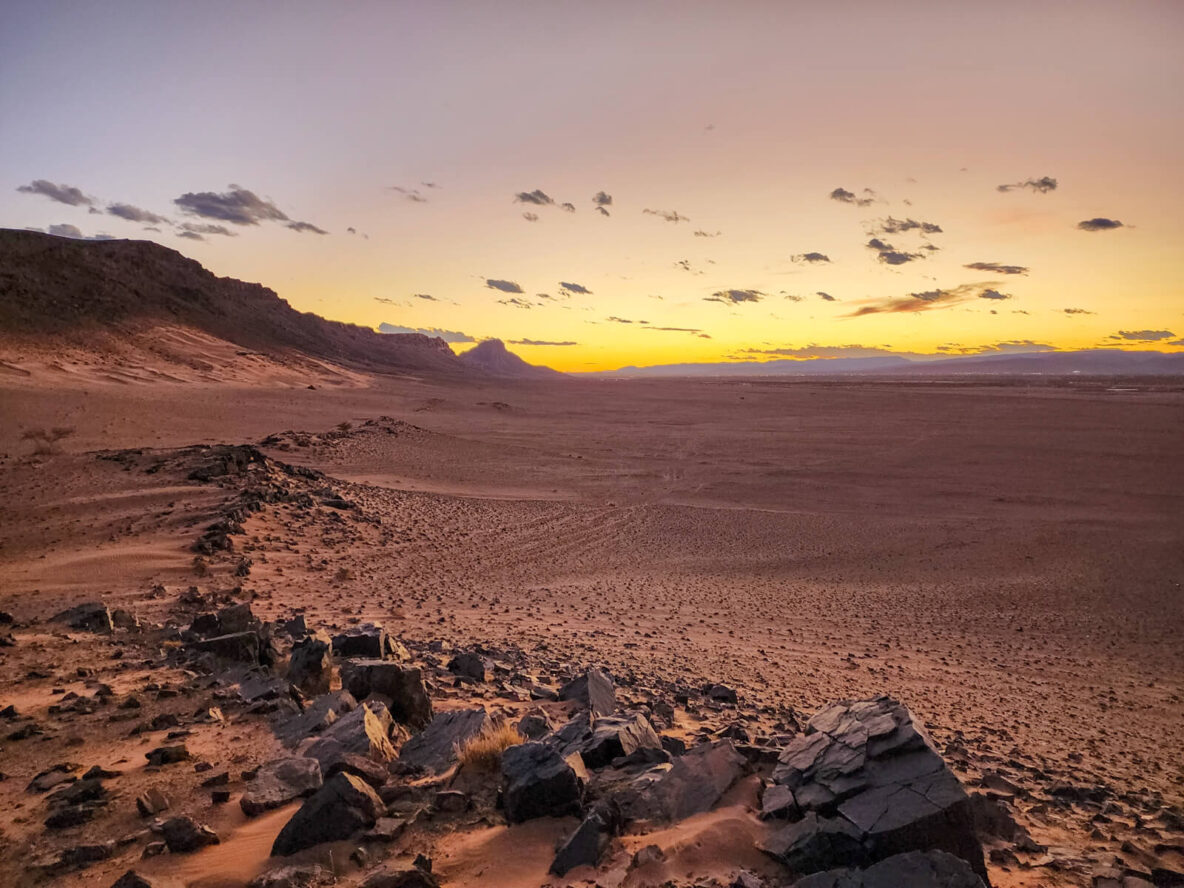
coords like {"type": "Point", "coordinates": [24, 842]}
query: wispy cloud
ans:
{"type": "Point", "coordinates": [925, 300]}
{"type": "Point", "coordinates": [813, 258]}
{"type": "Point", "coordinates": [996, 268]}
{"type": "Point", "coordinates": [842, 195]}
{"type": "Point", "coordinates": [701, 233]}
{"type": "Point", "coordinates": [238, 206]}
{"type": "Point", "coordinates": [66, 194]}
{"type": "Point", "coordinates": [889, 255]}
{"type": "Point", "coordinates": [1099, 223]}
{"type": "Point", "coordinates": [305, 226]}
{"type": "Point", "coordinates": [1043, 185]}
{"type": "Point", "coordinates": [504, 286]}
{"type": "Point", "coordinates": [826, 297]}
{"type": "Point", "coordinates": [539, 342]}
{"type": "Point", "coordinates": [135, 214]}
{"type": "Point", "coordinates": [412, 194]}
{"type": "Point", "coordinates": [1143, 335]}
{"type": "Point", "coordinates": [538, 197]}
{"type": "Point", "coordinates": [668, 215]}
{"type": "Point", "coordinates": [567, 288]}
{"type": "Point", "coordinates": [898, 226]}
{"type": "Point", "coordinates": [435, 332]}
{"type": "Point", "coordinates": [1077, 311]}
{"type": "Point", "coordinates": [735, 297]}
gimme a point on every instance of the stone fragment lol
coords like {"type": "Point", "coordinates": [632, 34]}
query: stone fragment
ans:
{"type": "Point", "coordinates": [694, 784]}
{"type": "Point", "coordinates": [468, 664]}
{"type": "Point", "coordinates": [365, 731]}
{"type": "Point", "coordinates": [587, 844]}
{"type": "Point", "coordinates": [538, 782]}
{"type": "Point", "coordinates": [914, 869]}
{"type": "Point", "coordinates": [434, 749]}
{"type": "Point", "coordinates": [184, 834]}
{"type": "Point", "coordinates": [278, 782]}
{"type": "Point", "coordinates": [403, 686]}
{"type": "Point", "coordinates": [311, 664]}
{"type": "Point", "coordinates": [345, 804]}
{"type": "Point", "coordinates": [594, 690]}
{"type": "Point", "coordinates": [614, 737]}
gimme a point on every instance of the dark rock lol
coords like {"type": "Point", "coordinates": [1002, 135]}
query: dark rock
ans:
{"type": "Point", "coordinates": [470, 665]}
{"type": "Point", "coordinates": [64, 772]}
{"type": "Point", "coordinates": [400, 875]}
{"type": "Point", "coordinates": [343, 806]}
{"type": "Point", "coordinates": [132, 879]}
{"type": "Point", "coordinates": [307, 875]}
{"type": "Point", "coordinates": [75, 857]}
{"type": "Point", "coordinates": [402, 685]}
{"type": "Point", "coordinates": [721, 693]}
{"type": "Point", "coordinates": [451, 801]}
{"type": "Point", "coordinates": [152, 802]}
{"type": "Point", "coordinates": [538, 782]}
{"type": "Point", "coordinates": [914, 869]}
{"type": "Point", "coordinates": [220, 796]}
{"type": "Point", "coordinates": [241, 647]}
{"type": "Point", "coordinates": [385, 830]}
{"type": "Point", "coordinates": [817, 843]}
{"type": "Point", "coordinates": [614, 737]}
{"type": "Point", "coordinates": [311, 664]}
{"type": "Point", "coordinates": [369, 770]}
{"type": "Point", "coordinates": [434, 749]}
{"type": "Point", "coordinates": [317, 716]}
{"type": "Point", "coordinates": [368, 640]}
{"type": "Point", "coordinates": [93, 616]}
{"type": "Point", "coordinates": [594, 690]}
{"type": "Point", "coordinates": [366, 732]}
{"type": "Point", "coordinates": [535, 724]}
{"type": "Point", "coordinates": [694, 783]}
{"type": "Point", "coordinates": [587, 844]}
{"type": "Point", "coordinates": [167, 755]}
{"type": "Point", "coordinates": [72, 815]}
{"type": "Point", "coordinates": [280, 781]}
{"type": "Point", "coordinates": [236, 618]}
{"type": "Point", "coordinates": [777, 802]}
{"type": "Point", "coordinates": [184, 834]}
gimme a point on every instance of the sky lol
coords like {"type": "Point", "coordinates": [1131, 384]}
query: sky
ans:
{"type": "Point", "coordinates": [630, 183]}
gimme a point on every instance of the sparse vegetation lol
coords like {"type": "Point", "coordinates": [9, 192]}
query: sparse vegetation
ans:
{"type": "Point", "coordinates": [484, 751]}
{"type": "Point", "coordinates": [342, 574]}
{"type": "Point", "coordinates": [45, 441]}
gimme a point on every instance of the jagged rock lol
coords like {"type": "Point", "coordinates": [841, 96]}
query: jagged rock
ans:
{"type": "Point", "coordinates": [594, 690]}
{"type": "Point", "coordinates": [152, 802]}
{"type": "Point", "coordinates": [538, 782]}
{"type": "Point", "coordinates": [75, 857]}
{"type": "Point", "coordinates": [184, 834]}
{"type": "Point", "coordinates": [167, 755]}
{"type": "Point", "coordinates": [318, 715]}
{"type": "Point", "coordinates": [614, 737]}
{"type": "Point", "coordinates": [241, 647]}
{"type": "Point", "coordinates": [295, 627]}
{"type": "Point", "coordinates": [369, 770]}
{"type": "Point", "coordinates": [308, 875]}
{"type": "Point", "coordinates": [311, 664]}
{"type": "Point", "coordinates": [365, 731]}
{"type": "Point", "coordinates": [721, 693]}
{"type": "Point", "coordinates": [93, 616]}
{"type": "Point", "coordinates": [694, 783]}
{"type": "Point", "coordinates": [73, 815]}
{"type": "Point", "coordinates": [343, 806]}
{"type": "Point", "coordinates": [451, 801]}
{"type": "Point", "coordinates": [385, 830]}
{"type": "Point", "coordinates": [434, 749]}
{"type": "Point", "coordinates": [647, 855]}
{"type": "Point", "coordinates": [992, 819]}
{"type": "Point", "coordinates": [400, 875]}
{"type": "Point", "coordinates": [817, 843]}
{"type": "Point", "coordinates": [869, 763]}
{"type": "Point", "coordinates": [587, 844]}
{"type": "Point", "coordinates": [402, 685]}
{"type": "Point", "coordinates": [470, 665]}
{"type": "Point", "coordinates": [914, 869]}
{"type": "Point", "coordinates": [64, 772]}
{"type": "Point", "coordinates": [278, 782]}
{"type": "Point", "coordinates": [132, 879]}
{"type": "Point", "coordinates": [368, 640]}
{"type": "Point", "coordinates": [777, 802]}
{"type": "Point", "coordinates": [535, 724]}
{"type": "Point", "coordinates": [236, 618]}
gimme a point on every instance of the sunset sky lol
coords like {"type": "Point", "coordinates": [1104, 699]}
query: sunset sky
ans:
{"type": "Point", "coordinates": [741, 179]}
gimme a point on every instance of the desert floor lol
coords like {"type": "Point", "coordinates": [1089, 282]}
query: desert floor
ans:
{"type": "Point", "coordinates": [1006, 559]}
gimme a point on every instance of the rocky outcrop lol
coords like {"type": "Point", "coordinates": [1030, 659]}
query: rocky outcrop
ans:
{"type": "Point", "coordinates": [403, 686]}
{"type": "Point", "coordinates": [343, 806]}
{"type": "Point", "coordinates": [184, 834]}
{"type": "Point", "coordinates": [310, 665]}
{"type": "Point", "coordinates": [614, 738]}
{"type": "Point", "coordinates": [587, 844]}
{"type": "Point", "coordinates": [593, 690]}
{"type": "Point", "coordinates": [915, 869]}
{"type": "Point", "coordinates": [435, 748]}
{"type": "Point", "coordinates": [538, 782]}
{"type": "Point", "coordinates": [278, 782]}
{"type": "Point", "coordinates": [365, 731]}
{"type": "Point", "coordinates": [693, 784]}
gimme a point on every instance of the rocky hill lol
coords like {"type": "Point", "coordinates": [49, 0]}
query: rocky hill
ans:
{"type": "Point", "coordinates": [493, 358]}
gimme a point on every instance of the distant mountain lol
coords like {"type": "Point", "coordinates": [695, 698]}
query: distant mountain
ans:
{"type": "Point", "coordinates": [75, 292]}
{"type": "Point", "coordinates": [1101, 361]}
{"type": "Point", "coordinates": [493, 358]}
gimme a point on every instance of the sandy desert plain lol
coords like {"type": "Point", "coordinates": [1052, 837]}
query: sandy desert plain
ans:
{"type": "Point", "coordinates": [1004, 557]}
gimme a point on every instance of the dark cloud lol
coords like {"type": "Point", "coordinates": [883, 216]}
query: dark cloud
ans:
{"type": "Point", "coordinates": [993, 294]}
{"type": "Point", "coordinates": [504, 286]}
{"type": "Point", "coordinates": [1077, 311]}
{"type": "Point", "coordinates": [842, 195]}
{"type": "Point", "coordinates": [190, 235]}
{"type": "Point", "coordinates": [811, 257]}
{"type": "Point", "coordinates": [735, 297]}
{"type": "Point", "coordinates": [826, 297]}
{"type": "Point", "coordinates": [65, 229]}
{"type": "Point", "coordinates": [306, 226]}
{"type": "Point", "coordinates": [677, 330]}
{"type": "Point", "coordinates": [517, 303]}
{"type": "Point", "coordinates": [66, 194]}
{"type": "Point", "coordinates": [668, 215]}
{"type": "Point", "coordinates": [708, 233]}
{"type": "Point", "coordinates": [996, 268]}
{"type": "Point", "coordinates": [199, 228]}
{"type": "Point", "coordinates": [237, 206]}
{"type": "Point", "coordinates": [531, 217]}
{"type": "Point", "coordinates": [1099, 223]}
{"type": "Point", "coordinates": [539, 342]}
{"type": "Point", "coordinates": [897, 226]}
{"type": "Point", "coordinates": [889, 255]}
{"type": "Point", "coordinates": [412, 194]}
{"type": "Point", "coordinates": [1143, 335]}
{"type": "Point", "coordinates": [602, 199]}
{"type": "Point", "coordinates": [567, 288]}
{"type": "Point", "coordinates": [617, 320]}
{"type": "Point", "coordinates": [602, 211]}
{"type": "Point", "coordinates": [537, 197]}
{"type": "Point", "coordinates": [1043, 185]}
{"type": "Point", "coordinates": [925, 300]}
{"type": "Point", "coordinates": [425, 296]}
{"type": "Point", "coordinates": [435, 332]}
{"type": "Point", "coordinates": [135, 214]}
{"type": "Point", "coordinates": [567, 207]}
{"type": "Point", "coordinates": [792, 297]}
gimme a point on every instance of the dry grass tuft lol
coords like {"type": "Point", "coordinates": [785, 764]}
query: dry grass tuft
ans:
{"type": "Point", "coordinates": [484, 751]}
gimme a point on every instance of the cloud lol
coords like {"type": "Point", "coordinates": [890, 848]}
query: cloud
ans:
{"type": "Point", "coordinates": [1177, 342]}
{"type": "Point", "coordinates": [412, 194]}
{"type": "Point", "coordinates": [897, 226]}
{"type": "Point", "coordinates": [1043, 185]}
{"type": "Point", "coordinates": [567, 288]}
{"type": "Point", "coordinates": [426, 296]}
{"type": "Point", "coordinates": [1099, 223]}
{"type": "Point", "coordinates": [694, 330]}
{"type": "Point", "coordinates": [504, 286]}
{"type": "Point", "coordinates": [66, 194]}
{"type": "Point", "coordinates": [516, 302]}
{"type": "Point", "coordinates": [531, 217]}
{"type": "Point", "coordinates": [617, 320]}
{"type": "Point", "coordinates": [668, 215]}
{"type": "Point", "coordinates": [889, 255]}
{"type": "Point", "coordinates": [537, 197]}
{"type": "Point", "coordinates": [134, 214]}
{"type": "Point", "coordinates": [435, 332]}
{"type": "Point", "coordinates": [601, 200]}
{"type": "Point", "coordinates": [925, 300]}
{"type": "Point", "coordinates": [708, 233]}
{"type": "Point", "coordinates": [539, 342]}
{"type": "Point", "coordinates": [237, 206]}
{"type": "Point", "coordinates": [567, 207]}
{"type": "Point", "coordinates": [188, 229]}
{"type": "Point", "coordinates": [735, 296]}
{"type": "Point", "coordinates": [842, 195]}
{"type": "Point", "coordinates": [1144, 335]}
{"type": "Point", "coordinates": [993, 294]}
{"type": "Point", "coordinates": [810, 257]}
{"type": "Point", "coordinates": [190, 235]}
{"type": "Point", "coordinates": [603, 211]}
{"type": "Point", "coordinates": [826, 297]}
{"type": "Point", "coordinates": [306, 226]}
{"type": "Point", "coordinates": [1077, 311]}
{"type": "Point", "coordinates": [65, 229]}
{"type": "Point", "coordinates": [996, 268]}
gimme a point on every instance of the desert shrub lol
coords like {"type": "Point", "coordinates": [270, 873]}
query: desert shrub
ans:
{"type": "Point", "coordinates": [484, 751]}
{"type": "Point", "coordinates": [45, 441]}
{"type": "Point", "coordinates": [342, 574]}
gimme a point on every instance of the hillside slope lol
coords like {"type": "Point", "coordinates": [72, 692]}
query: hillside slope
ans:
{"type": "Point", "coordinates": [493, 358]}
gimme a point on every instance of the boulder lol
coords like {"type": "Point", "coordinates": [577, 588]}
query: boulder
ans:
{"type": "Point", "coordinates": [588, 843]}
{"type": "Point", "coordinates": [374, 773]}
{"type": "Point", "coordinates": [93, 616]}
{"type": "Point", "coordinates": [365, 731]}
{"type": "Point", "coordinates": [535, 724]}
{"type": "Point", "coordinates": [167, 755]}
{"type": "Point", "coordinates": [184, 834]}
{"type": "Point", "coordinates": [152, 802]}
{"type": "Point", "coordinates": [868, 763]}
{"type": "Point", "coordinates": [778, 803]}
{"type": "Point", "coordinates": [400, 875]}
{"type": "Point", "coordinates": [614, 737]}
{"type": "Point", "coordinates": [367, 640]}
{"type": "Point", "coordinates": [318, 715]}
{"type": "Point", "coordinates": [694, 784]}
{"type": "Point", "coordinates": [311, 664]}
{"type": "Point", "coordinates": [720, 693]}
{"type": "Point", "coordinates": [344, 805]}
{"type": "Point", "coordinates": [434, 749]}
{"type": "Point", "coordinates": [470, 665]}
{"type": "Point", "coordinates": [278, 782]}
{"type": "Point", "coordinates": [594, 690]}
{"type": "Point", "coordinates": [132, 879]}
{"type": "Point", "coordinates": [915, 869]}
{"type": "Point", "coordinates": [538, 782]}
{"type": "Point", "coordinates": [402, 685]}
{"type": "Point", "coordinates": [817, 843]}
{"type": "Point", "coordinates": [241, 647]}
